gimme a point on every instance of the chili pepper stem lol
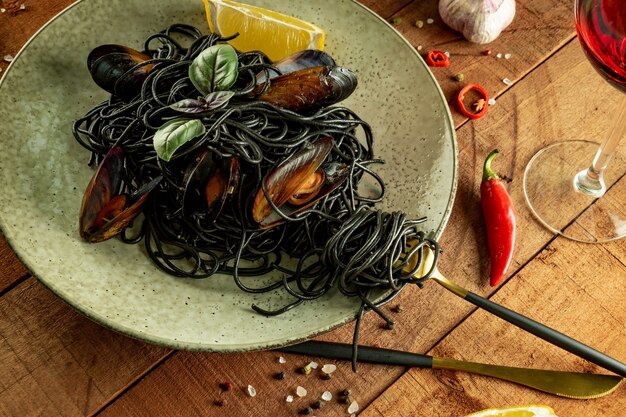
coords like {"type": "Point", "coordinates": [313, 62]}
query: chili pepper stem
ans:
{"type": "Point", "coordinates": [489, 173]}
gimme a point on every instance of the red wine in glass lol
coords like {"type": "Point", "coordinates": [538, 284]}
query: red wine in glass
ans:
{"type": "Point", "coordinates": [601, 27]}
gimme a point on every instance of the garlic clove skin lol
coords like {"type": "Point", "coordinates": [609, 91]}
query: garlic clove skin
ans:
{"type": "Point", "coordinates": [480, 21]}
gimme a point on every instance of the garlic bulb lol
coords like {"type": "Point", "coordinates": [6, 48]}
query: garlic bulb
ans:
{"type": "Point", "coordinates": [480, 21]}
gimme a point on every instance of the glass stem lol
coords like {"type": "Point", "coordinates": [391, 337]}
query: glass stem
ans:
{"type": "Point", "coordinates": [590, 181]}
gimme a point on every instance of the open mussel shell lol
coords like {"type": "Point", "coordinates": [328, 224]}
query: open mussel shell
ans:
{"type": "Point", "coordinates": [295, 185]}
{"type": "Point", "coordinates": [310, 88]}
{"type": "Point", "coordinates": [104, 213]}
{"type": "Point", "coordinates": [118, 69]}
{"type": "Point", "coordinates": [334, 174]}
{"type": "Point", "coordinates": [209, 183]}
{"type": "Point", "coordinates": [297, 61]}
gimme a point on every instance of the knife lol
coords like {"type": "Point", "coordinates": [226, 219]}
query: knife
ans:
{"type": "Point", "coordinates": [565, 384]}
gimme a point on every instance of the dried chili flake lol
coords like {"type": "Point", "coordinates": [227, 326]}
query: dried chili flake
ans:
{"type": "Point", "coordinates": [487, 52]}
{"type": "Point", "coordinates": [226, 386]}
{"type": "Point", "coordinates": [398, 308]}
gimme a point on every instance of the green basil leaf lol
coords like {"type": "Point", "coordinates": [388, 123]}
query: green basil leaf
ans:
{"type": "Point", "coordinates": [215, 69]}
{"type": "Point", "coordinates": [174, 134]}
{"type": "Point", "coordinates": [189, 105]}
{"type": "Point", "coordinates": [217, 99]}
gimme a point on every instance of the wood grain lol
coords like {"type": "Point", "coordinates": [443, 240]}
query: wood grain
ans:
{"type": "Point", "coordinates": [11, 269]}
{"type": "Point", "coordinates": [54, 362]}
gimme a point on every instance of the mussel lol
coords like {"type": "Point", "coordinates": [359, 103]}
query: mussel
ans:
{"type": "Point", "coordinates": [298, 182]}
{"type": "Point", "coordinates": [104, 212]}
{"type": "Point", "coordinates": [118, 69]}
{"type": "Point", "coordinates": [297, 61]}
{"type": "Point", "coordinates": [310, 88]}
{"type": "Point", "coordinates": [209, 182]}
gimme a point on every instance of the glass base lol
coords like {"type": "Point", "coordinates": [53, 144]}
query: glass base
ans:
{"type": "Point", "coordinates": [550, 192]}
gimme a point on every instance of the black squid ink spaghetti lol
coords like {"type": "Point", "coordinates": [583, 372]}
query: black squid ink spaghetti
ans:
{"type": "Point", "coordinates": [239, 166]}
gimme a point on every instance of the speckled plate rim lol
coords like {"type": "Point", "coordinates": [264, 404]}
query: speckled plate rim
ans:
{"type": "Point", "coordinates": [268, 345]}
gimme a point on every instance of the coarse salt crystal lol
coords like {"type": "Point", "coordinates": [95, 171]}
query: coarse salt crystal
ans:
{"type": "Point", "coordinates": [507, 81]}
{"type": "Point", "coordinates": [22, 6]}
{"type": "Point", "coordinates": [354, 407]}
{"type": "Point", "coordinates": [329, 368]}
{"type": "Point", "coordinates": [2, 10]}
{"type": "Point", "coordinates": [301, 391]}
{"type": "Point", "coordinates": [492, 101]}
{"type": "Point", "coordinates": [419, 47]}
{"type": "Point", "coordinates": [289, 398]}
{"type": "Point", "coordinates": [507, 56]}
{"type": "Point", "coordinates": [430, 21]}
{"type": "Point", "coordinates": [8, 58]}
{"type": "Point", "coordinates": [313, 365]}
{"type": "Point", "coordinates": [282, 360]}
{"type": "Point", "coordinates": [327, 396]}
{"type": "Point", "coordinates": [499, 55]}
{"type": "Point", "coordinates": [251, 391]}
{"type": "Point", "coordinates": [447, 54]}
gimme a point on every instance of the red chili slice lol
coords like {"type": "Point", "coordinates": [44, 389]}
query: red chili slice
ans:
{"type": "Point", "coordinates": [483, 96]}
{"type": "Point", "coordinates": [437, 59]}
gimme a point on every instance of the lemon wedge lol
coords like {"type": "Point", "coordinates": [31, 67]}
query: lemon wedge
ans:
{"type": "Point", "coordinates": [519, 411]}
{"type": "Point", "coordinates": [275, 34]}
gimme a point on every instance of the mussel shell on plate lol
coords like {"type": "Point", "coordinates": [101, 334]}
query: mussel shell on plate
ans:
{"type": "Point", "coordinates": [310, 88]}
{"type": "Point", "coordinates": [118, 69]}
{"type": "Point", "coordinates": [307, 58]}
{"type": "Point", "coordinates": [104, 213]}
{"type": "Point", "coordinates": [209, 182]}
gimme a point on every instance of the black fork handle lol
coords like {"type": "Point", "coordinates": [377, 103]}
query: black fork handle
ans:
{"type": "Point", "coordinates": [548, 334]}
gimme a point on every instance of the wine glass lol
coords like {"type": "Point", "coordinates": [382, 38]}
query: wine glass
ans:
{"type": "Point", "coordinates": [562, 180]}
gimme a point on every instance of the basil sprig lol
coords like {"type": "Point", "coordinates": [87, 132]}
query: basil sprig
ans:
{"type": "Point", "coordinates": [212, 72]}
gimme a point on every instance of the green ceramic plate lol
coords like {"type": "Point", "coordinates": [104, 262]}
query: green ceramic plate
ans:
{"type": "Point", "coordinates": [43, 172]}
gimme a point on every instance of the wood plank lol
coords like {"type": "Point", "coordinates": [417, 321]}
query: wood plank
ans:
{"type": "Point", "coordinates": [519, 126]}
{"type": "Point", "coordinates": [581, 296]}
{"type": "Point", "coordinates": [55, 362]}
{"type": "Point", "coordinates": [11, 269]}
{"type": "Point", "coordinates": [539, 28]}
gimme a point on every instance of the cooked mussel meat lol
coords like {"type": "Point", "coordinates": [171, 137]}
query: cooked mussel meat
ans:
{"type": "Point", "coordinates": [310, 88]}
{"type": "Point", "coordinates": [209, 182]}
{"type": "Point", "coordinates": [297, 61]}
{"type": "Point", "coordinates": [104, 212]}
{"type": "Point", "coordinates": [298, 182]}
{"type": "Point", "coordinates": [118, 69]}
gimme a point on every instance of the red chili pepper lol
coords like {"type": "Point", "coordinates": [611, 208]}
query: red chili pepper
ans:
{"type": "Point", "coordinates": [487, 52]}
{"type": "Point", "coordinates": [483, 96]}
{"type": "Point", "coordinates": [437, 59]}
{"type": "Point", "coordinates": [500, 219]}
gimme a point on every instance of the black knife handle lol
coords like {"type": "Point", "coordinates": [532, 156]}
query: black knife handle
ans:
{"type": "Point", "coordinates": [549, 334]}
{"type": "Point", "coordinates": [365, 354]}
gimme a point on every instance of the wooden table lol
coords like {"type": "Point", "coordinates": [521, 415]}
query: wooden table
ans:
{"type": "Point", "coordinates": [54, 362]}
